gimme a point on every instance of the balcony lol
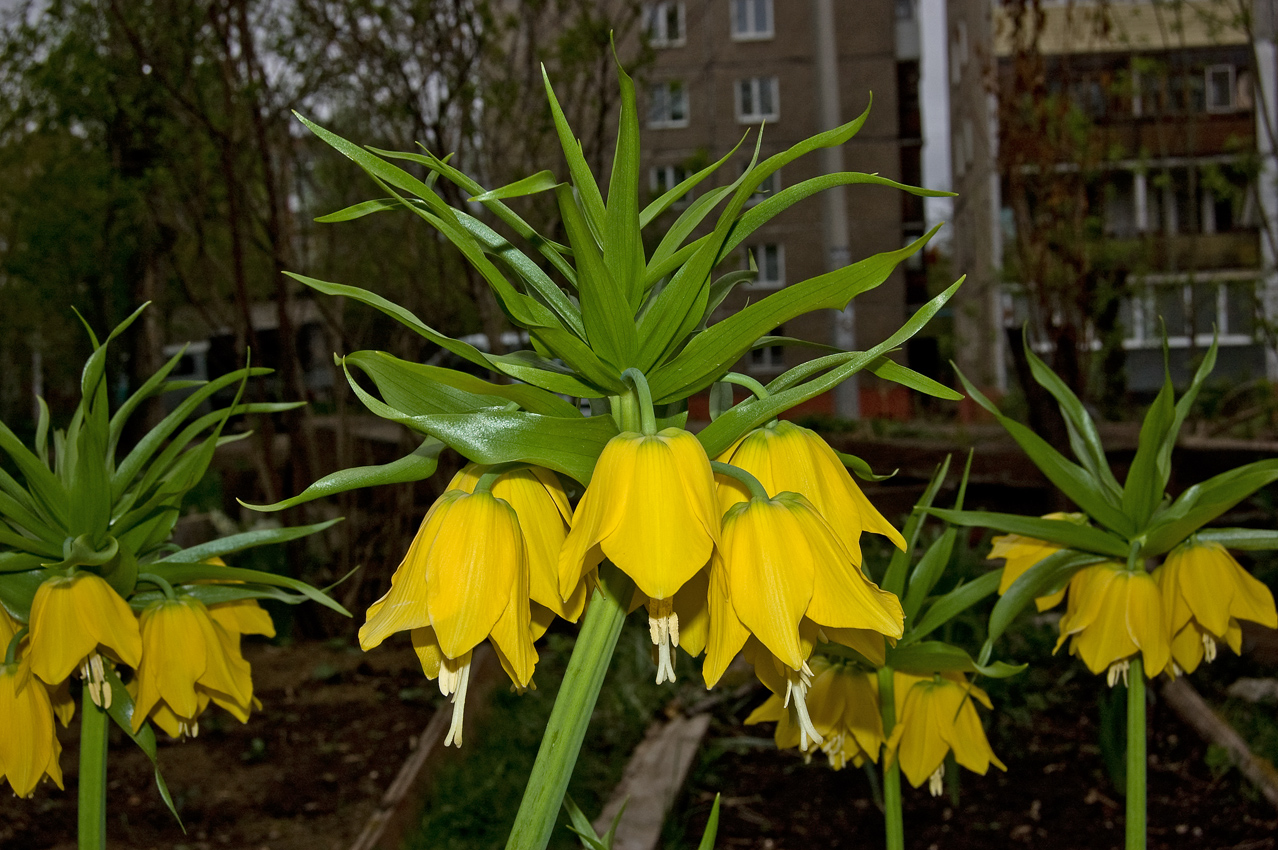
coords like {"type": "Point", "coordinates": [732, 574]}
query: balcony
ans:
{"type": "Point", "coordinates": [1164, 136]}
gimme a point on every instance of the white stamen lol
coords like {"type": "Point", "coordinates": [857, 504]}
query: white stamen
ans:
{"type": "Point", "coordinates": [1118, 670]}
{"type": "Point", "coordinates": [663, 627]}
{"type": "Point", "coordinates": [807, 732]}
{"type": "Point", "coordinates": [94, 675]}
{"type": "Point", "coordinates": [454, 677]}
{"type": "Point", "coordinates": [833, 749]}
{"type": "Point", "coordinates": [1209, 647]}
{"type": "Point", "coordinates": [936, 782]}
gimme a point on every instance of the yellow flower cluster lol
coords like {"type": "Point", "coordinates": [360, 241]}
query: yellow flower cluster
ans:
{"type": "Point", "coordinates": [1173, 617]}
{"type": "Point", "coordinates": [500, 554]}
{"type": "Point", "coordinates": [934, 715]}
{"type": "Point", "coordinates": [183, 654]}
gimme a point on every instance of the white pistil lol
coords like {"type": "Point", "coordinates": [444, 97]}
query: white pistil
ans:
{"type": "Point", "coordinates": [663, 627]}
{"type": "Point", "coordinates": [1118, 670]}
{"type": "Point", "coordinates": [796, 686]}
{"type": "Point", "coordinates": [936, 782]}
{"type": "Point", "coordinates": [94, 675]}
{"type": "Point", "coordinates": [454, 677]}
{"type": "Point", "coordinates": [1209, 647]}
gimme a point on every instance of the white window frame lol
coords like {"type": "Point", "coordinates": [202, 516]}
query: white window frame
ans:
{"type": "Point", "coordinates": [759, 249]}
{"type": "Point", "coordinates": [751, 31]}
{"type": "Point", "coordinates": [1146, 330]}
{"type": "Point", "coordinates": [661, 93]}
{"type": "Point", "coordinates": [756, 86]}
{"type": "Point", "coordinates": [1208, 73]}
{"type": "Point", "coordinates": [656, 20]}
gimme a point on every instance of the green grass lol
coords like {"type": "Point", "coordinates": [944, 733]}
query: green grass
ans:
{"type": "Point", "coordinates": [474, 800]}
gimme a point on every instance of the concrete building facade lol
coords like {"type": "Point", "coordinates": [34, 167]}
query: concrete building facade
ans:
{"type": "Point", "coordinates": [721, 69]}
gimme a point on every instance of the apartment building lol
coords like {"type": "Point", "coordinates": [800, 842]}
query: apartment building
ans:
{"type": "Point", "coordinates": [1174, 168]}
{"type": "Point", "coordinates": [724, 68]}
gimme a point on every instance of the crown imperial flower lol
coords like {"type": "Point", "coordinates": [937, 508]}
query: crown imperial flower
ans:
{"type": "Point", "coordinates": [186, 655]}
{"type": "Point", "coordinates": [1114, 613]}
{"type": "Point", "coordinates": [1205, 592]}
{"type": "Point", "coordinates": [1021, 553]}
{"type": "Point", "coordinates": [651, 509]}
{"type": "Point", "coordinates": [789, 457]}
{"type": "Point", "coordinates": [464, 579]}
{"type": "Point", "coordinates": [934, 715]}
{"type": "Point", "coordinates": [73, 619]}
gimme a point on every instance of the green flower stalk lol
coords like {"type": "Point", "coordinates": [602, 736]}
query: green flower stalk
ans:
{"type": "Point", "coordinates": [621, 317]}
{"type": "Point", "coordinates": [85, 550]}
{"type": "Point", "coordinates": [1121, 619]}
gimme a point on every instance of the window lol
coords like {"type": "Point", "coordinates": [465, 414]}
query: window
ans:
{"type": "Point", "coordinates": [1220, 88]}
{"type": "Point", "coordinates": [770, 258]}
{"type": "Point", "coordinates": [757, 100]}
{"type": "Point", "coordinates": [1190, 309]}
{"type": "Point", "coordinates": [769, 187]}
{"type": "Point", "coordinates": [751, 19]}
{"type": "Point", "coordinates": [769, 358]}
{"type": "Point", "coordinates": [664, 23]}
{"type": "Point", "coordinates": [669, 106]}
{"type": "Point", "coordinates": [663, 178]}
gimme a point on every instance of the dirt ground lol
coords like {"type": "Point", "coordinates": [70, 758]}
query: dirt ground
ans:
{"type": "Point", "coordinates": [303, 774]}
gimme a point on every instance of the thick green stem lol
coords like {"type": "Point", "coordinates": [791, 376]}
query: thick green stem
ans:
{"type": "Point", "coordinates": [894, 825]}
{"type": "Point", "coordinates": [93, 761]}
{"type": "Point", "coordinates": [1136, 755]}
{"type": "Point", "coordinates": [570, 717]}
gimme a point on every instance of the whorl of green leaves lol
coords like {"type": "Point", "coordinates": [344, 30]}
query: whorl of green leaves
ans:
{"type": "Point", "coordinates": [601, 304]}
{"type": "Point", "coordinates": [79, 505]}
{"type": "Point", "coordinates": [1129, 522]}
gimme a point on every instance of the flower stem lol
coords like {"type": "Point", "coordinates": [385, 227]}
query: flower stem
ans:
{"type": "Point", "coordinates": [570, 716]}
{"type": "Point", "coordinates": [759, 390]}
{"type": "Point", "coordinates": [647, 418]}
{"type": "Point", "coordinates": [893, 822]}
{"type": "Point", "coordinates": [93, 761]}
{"type": "Point", "coordinates": [1136, 755]}
{"type": "Point", "coordinates": [752, 484]}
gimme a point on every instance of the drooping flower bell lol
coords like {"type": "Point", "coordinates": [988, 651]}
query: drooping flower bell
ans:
{"type": "Point", "coordinates": [1205, 592]}
{"type": "Point", "coordinates": [1023, 552]}
{"type": "Point", "coordinates": [843, 705]}
{"type": "Point", "coordinates": [464, 579]}
{"type": "Point", "coordinates": [782, 575]}
{"type": "Point", "coordinates": [29, 747]}
{"type": "Point", "coordinates": [789, 457]}
{"type": "Point", "coordinates": [186, 655]}
{"type": "Point", "coordinates": [1112, 614]}
{"type": "Point", "coordinates": [651, 509]}
{"type": "Point", "coordinates": [538, 499]}
{"type": "Point", "coordinates": [934, 715]}
{"type": "Point", "coordinates": [74, 619]}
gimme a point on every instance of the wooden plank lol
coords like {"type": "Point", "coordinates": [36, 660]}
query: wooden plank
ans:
{"type": "Point", "coordinates": [1191, 707]}
{"type": "Point", "coordinates": [397, 812]}
{"type": "Point", "coordinates": [652, 779]}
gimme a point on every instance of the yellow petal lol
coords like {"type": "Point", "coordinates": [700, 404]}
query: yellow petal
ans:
{"type": "Point", "coordinates": [175, 655]}
{"type": "Point", "coordinates": [29, 748]}
{"type": "Point", "coordinates": [474, 564]}
{"type": "Point", "coordinates": [403, 607]}
{"type": "Point", "coordinates": [428, 651]}
{"type": "Point", "coordinates": [243, 616]}
{"type": "Point", "coordinates": [544, 530]}
{"type": "Point", "coordinates": [512, 634]}
{"type": "Point", "coordinates": [922, 749]}
{"type": "Point", "coordinates": [868, 642]}
{"type": "Point", "coordinates": [726, 635]}
{"type": "Point", "coordinates": [71, 618]}
{"type": "Point", "coordinates": [693, 610]}
{"type": "Point", "coordinates": [1145, 621]}
{"type": "Point", "coordinates": [770, 573]}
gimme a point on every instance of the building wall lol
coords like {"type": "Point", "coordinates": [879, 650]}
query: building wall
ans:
{"type": "Point", "coordinates": [710, 62]}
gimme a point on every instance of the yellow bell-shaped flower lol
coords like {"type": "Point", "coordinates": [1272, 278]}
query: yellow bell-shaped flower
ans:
{"type": "Point", "coordinates": [1023, 552]}
{"type": "Point", "coordinates": [782, 568]}
{"type": "Point", "coordinates": [186, 655]}
{"type": "Point", "coordinates": [465, 578]}
{"type": "Point", "coordinates": [789, 457]}
{"type": "Point", "coordinates": [242, 617]}
{"type": "Point", "coordinates": [651, 509]}
{"type": "Point", "coordinates": [1205, 592]}
{"type": "Point", "coordinates": [843, 706]}
{"type": "Point", "coordinates": [1113, 614]}
{"type": "Point", "coordinates": [73, 620]}
{"type": "Point", "coordinates": [29, 748]}
{"type": "Point", "coordinates": [934, 715]}
{"type": "Point", "coordinates": [538, 499]}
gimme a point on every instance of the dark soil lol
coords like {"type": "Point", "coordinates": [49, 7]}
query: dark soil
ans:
{"type": "Point", "coordinates": [1056, 792]}
{"type": "Point", "coordinates": [303, 774]}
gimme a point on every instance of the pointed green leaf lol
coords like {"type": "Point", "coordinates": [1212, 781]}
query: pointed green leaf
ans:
{"type": "Point", "coordinates": [1062, 531]}
{"type": "Point", "coordinates": [672, 195]}
{"type": "Point", "coordinates": [1243, 539]}
{"type": "Point", "coordinates": [121, 711]}
{"type": "Point", "coordinates": [712, 827]}
{"type": "Point", "coordinates": [418, 466]}
{"type": "Point", "coordinates": [583, 181]}
{"type": "Point", "coordinates": [605, 309]}
{"type": "Point", "coordinates": [245, 540]}
{"type": "Point", "coordinates": [1143, 491]}
{"type": "Point", "coordinates": [360, 210]}
{"type": "Point", "coordinates": [180, 573]}
{"type": "Point", "coordinates": [1072, 480]}
{"type": "Point", "coordinates": [622, 242]}
{"type": "Point", "coordinates": [936, 657]}
{"type": "Point", "coordinates": [542, 181]}
{"type": "Point", "coordinates": [1203, 502]}
{"type": "Point", "coordinates": [950, 606]}
{"type": "Point", "coordinates": [928, 572]}
{"type": "Point", "coordinates": [1046, 577]}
